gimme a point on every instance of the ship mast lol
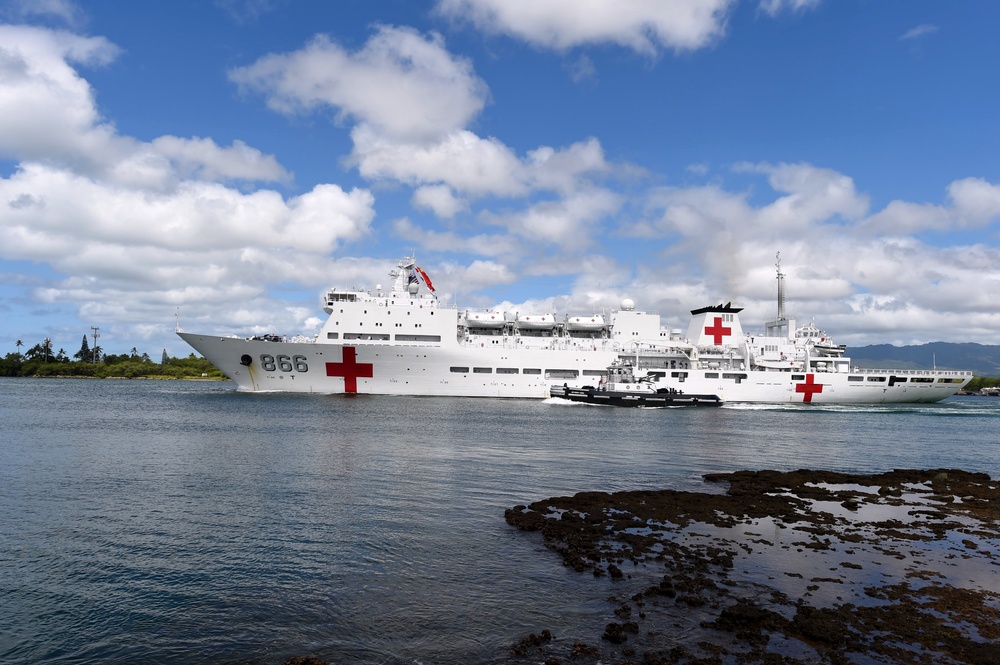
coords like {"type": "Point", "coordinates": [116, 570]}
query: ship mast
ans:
{"type": "Point", "coordinates": [781, 288]}
{"type": "Point", "coordinates": [781, 326]}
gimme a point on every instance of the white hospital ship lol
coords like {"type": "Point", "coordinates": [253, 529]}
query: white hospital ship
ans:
{"type": "Point", "coordinates": [405, 342]}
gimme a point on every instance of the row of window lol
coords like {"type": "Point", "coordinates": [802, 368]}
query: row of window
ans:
{"type": "Point", "coordinates": [384, 337]}
{"type": "Point", "coordinates": [536, 332]}
{"type": "Point", "coordinates": [895, 379]}
{"type": "Point", "coordinates": [549, 373]}
{"type": "Point", "coordinates": [388, 311]}
{"type": "Point", "coordinates": [727, 375]}
{"type": "Point", "coordinates": [738, 377]}
{"type": "Point", "coordinates": [802, 377]}
{"type": "Point", "coordinates": [380, 324]}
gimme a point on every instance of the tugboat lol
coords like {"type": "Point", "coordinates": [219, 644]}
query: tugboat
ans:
{"type": "Point", "coordinates": [622, 388]}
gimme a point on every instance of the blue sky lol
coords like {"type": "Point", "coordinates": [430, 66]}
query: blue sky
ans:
{"type": "Point", "coordinates": [233, 159]}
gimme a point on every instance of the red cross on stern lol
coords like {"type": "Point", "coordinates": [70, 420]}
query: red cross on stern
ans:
{"type": "Point", "coordinates": [809, 388]}
{"type": "Point", "coordinates": [350, 369]}
{"type": "Point", "coordinates": [717, 330]}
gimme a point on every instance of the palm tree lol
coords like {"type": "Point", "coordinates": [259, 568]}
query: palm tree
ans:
{"type": "Point", "coordinates": [18, 344]}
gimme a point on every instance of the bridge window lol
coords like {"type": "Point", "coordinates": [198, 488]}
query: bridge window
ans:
{"type": "Point", "coordinates": [482, 370]}
{"type": "Point", "coordinates": [330, 335]}
{"type": "Point", "coordinates": [531, 370]}
{"type": "Point", "coordinates": [506, 370]}
{"type": "Point", "coordinates": [460, 370]}
{"type": "Point", "coordinates": [561, 374]}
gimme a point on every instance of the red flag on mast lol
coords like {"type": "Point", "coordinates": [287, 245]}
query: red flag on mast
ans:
{"type": "Point", "coordinates": [423, 275]}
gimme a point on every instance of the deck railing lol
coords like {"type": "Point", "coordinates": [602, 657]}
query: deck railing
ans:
{"type": "Point", "coordinates": [904, 372]}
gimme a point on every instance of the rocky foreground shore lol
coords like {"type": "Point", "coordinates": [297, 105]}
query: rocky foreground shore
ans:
{"type": "Point", "coordinates": [785, 567]}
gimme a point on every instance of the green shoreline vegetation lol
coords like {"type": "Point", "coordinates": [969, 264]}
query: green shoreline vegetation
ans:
{"type": "Point", "coordinates": [980, 382]}
{"type": "Point", "coordinates": [41, 361]}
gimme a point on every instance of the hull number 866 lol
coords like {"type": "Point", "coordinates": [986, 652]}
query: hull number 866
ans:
{"type": "Point", "coordinates": [271, 363]}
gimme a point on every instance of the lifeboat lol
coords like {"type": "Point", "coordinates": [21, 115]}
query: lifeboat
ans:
{"type": "Point", "coordinates": [828, 349]}
{"type": "Point", "coordinates": [593, 322]}
{"type": "Point", "coordinates": [485, 319]}
{"type": "Point", "coordinates": [536, 321]}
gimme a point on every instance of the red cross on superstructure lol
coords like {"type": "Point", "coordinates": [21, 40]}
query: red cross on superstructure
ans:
{"type": "Point", "coordinates": [717, 330]}
{"type": "Point", "coordinates": [809, 388]}
{"type": "Point", "coordinates": [350, 369]}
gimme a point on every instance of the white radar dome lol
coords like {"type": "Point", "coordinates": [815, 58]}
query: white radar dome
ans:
{"type": "Point", "coordinates": [413, 288]}
{"type": "Point", "coordinates": [628, 304]}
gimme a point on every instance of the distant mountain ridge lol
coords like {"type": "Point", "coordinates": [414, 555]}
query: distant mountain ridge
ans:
{"type": "Point", "coordinates": [982, 359]}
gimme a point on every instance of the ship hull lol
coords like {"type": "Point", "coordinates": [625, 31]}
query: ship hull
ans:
{"type": "Point", "coordinates": [482, 371]}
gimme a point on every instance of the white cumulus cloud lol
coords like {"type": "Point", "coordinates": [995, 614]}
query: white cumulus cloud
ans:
{"type": "Point", "coordinates": [411, 103]}
{"type": "Point", "coordinates": [405, 85]}
{"type": "Point", "coordinates": [972, 203]}
{"type": "Point", "coordinates": [462, 160]}
{"type": "Point", "coordinates": [568, 223]}
{"type": "Point", "coordinates": [203, 159]}
{"type": "Point", "coordinates": [642, 25]}
{"type": "Point", "coordinates": [130, 226]}
{"type": "Point", "coordinates": [47, 109]}
{"type": "Point", "coordinates": [440, 199]}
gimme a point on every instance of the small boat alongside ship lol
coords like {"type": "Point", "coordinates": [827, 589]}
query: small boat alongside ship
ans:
{"type": "Point", "coordinates": [405, 341]}
{"type": "Point", "coordinates": [621, 388]}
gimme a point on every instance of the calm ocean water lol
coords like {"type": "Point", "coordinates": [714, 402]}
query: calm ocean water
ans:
{"type": "Point", "coordinates": [182, 522]}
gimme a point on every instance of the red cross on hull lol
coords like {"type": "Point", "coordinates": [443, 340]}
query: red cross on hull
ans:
{"type": "Point", "coordinates": [717, 330]}
{"type": "Point", "coordinates": [809, 388]}
{"type": "Point", "coordinates": [350, 369]}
